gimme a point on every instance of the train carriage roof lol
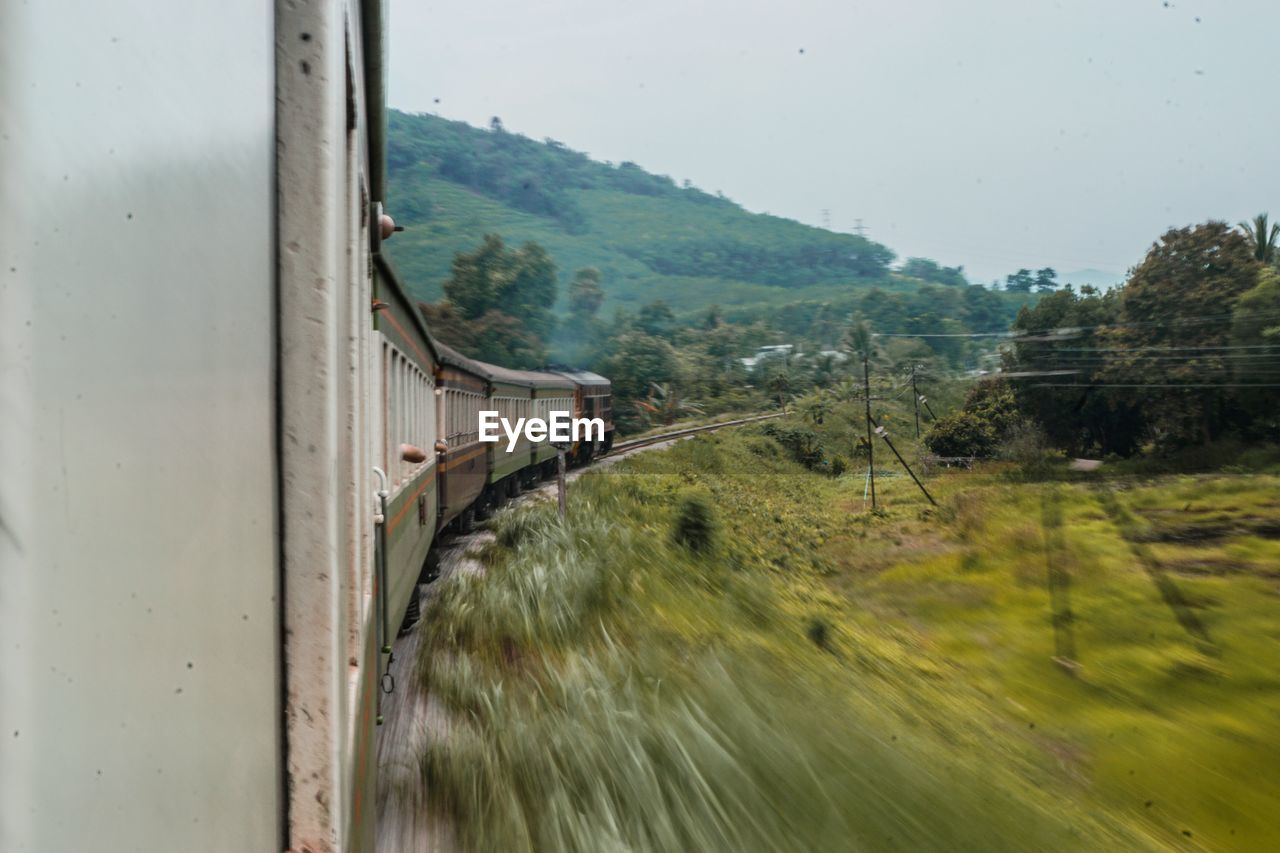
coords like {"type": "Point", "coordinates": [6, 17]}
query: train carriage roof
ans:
{"type": "Point", "coordinates": [496, 373]}
{"type": "Point", "coordinates": [532, 378]}
{"type": "Point", "coordinates": [585, 378]}
{"type": "Point", "coordinates": [450, 356]}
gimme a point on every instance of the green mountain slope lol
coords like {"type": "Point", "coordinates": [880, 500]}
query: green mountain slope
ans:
{"type": "Point", "coordinates": [451, 183]}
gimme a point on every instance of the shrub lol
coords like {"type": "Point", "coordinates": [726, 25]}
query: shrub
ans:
{"type": "Point", "coordinates": [989, 418]}
{"type": "Point", "coordinates": [695, 523]}
{"type": "Point", "coordinates": [961, 434]}
{"type": "Point", "coordinates": [512, 528]}
{"type": "Point", "coordinates": [802, 443]}
{"type": "Point", "coordinates": [819, 633]}
{"type": "Point", "coordinates": [1026, 444]}
{"type": "Point", "coordinates": [994, 403]}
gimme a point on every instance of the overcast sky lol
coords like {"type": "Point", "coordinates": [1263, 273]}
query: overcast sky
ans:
{"type": "Point", "coordinates": [996, 134]}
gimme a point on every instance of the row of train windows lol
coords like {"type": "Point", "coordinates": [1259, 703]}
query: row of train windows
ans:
{"type": "Point", "coordinates": [523, 407]}
{"type": "Point", "coordinates": [511, 410]}
{"type": "Point", "coordinates": [410, 413]}
{"type": "Point", "coordinates": [462, 416]}
{"type": "Point", "coordinates": [544, 407]}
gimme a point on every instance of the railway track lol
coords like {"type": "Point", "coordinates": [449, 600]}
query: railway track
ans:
{"type": "Point", "coordinates": [414, 717]}
{"type": "Point", "coordinates": [637, 443]}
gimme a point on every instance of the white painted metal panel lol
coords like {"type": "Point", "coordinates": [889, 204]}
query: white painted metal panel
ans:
{"type": "Point", "coordinates": [139, 696]}
{"type": "Point", "coordinates": [326, 458]}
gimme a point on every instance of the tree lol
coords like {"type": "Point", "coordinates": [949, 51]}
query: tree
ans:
{"type": "Point", "coordinates": [531, 294]}
{"type": "Point", "coordinates": [505, 298]}
{"type": "Point", "coordinates": [815, 408]}
{"type": "Point", "coordinates": [479, 277]}
{"type": "Point", "coordinates": [1261, 238]}
{"type": "Point", "coordinates": [859, 338]}
{"type": "Point", "coordinates": [664, 404]}
{"type": "Point", "coordinates": [585, 293]}
{"type": "Point", "coordinates": [1020, 282]}
{"type": "Point", "coordinates": [1255, 323]}
{"type": "Point", "coordinates": [1255, 327]}
{"type": "Point", "coordinates": [929, 270]}
{"type": "Point", "coordinates": [1083, 416]}
{"type": "Point", "coordinates": [779, 385]}
{"type": "Point", "coordinates": [1182, 295]}
{"type": "Point", "coordinates": [656, 319]}
{"type": "Point", "coordinates": [1046, 280]}
{"type": "Point", "coordinates": [960, 435]}
{"type": "Point", "coordinates": [639, 361]}
{"type": "Point", "coordinates": [989, 416]}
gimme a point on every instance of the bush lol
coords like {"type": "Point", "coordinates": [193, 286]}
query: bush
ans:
{"type": "Point", "coordinates": [1026, 444]}
{"type": "Point", "coordinates": [819, 633]}
{"type": "Point", "coordinates": [988, 419]}
{"type": "Point", "coordinates": [514, 527]}
{"type": "Point", "coordinates": [802, 443]}
{"type": "Point", "coordinates": [695, 524]}
{"type": "Point", "coordinates": [961, 434]}
{"type": "Point", "coordinates": [994, 403]}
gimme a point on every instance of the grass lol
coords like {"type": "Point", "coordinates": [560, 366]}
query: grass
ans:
{"type": "Point", "coordinates": [1008, 672]}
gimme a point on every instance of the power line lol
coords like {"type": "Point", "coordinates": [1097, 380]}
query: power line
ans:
{"type": "Point", "coordinates": [1276, 347]}
{"type": "Point", "coordinates": [1157, 385]}
{"type": "Point", "coordinates": [1066, 332]}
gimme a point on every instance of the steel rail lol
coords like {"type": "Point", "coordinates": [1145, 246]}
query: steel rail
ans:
{"type": "Point", "coordinates": [635, 443]}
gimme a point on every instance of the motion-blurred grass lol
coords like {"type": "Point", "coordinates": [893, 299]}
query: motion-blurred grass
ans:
{"type": "Point", "coordinates": [821, 678]}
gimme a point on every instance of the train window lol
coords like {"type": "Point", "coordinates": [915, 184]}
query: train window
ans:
{"type": "Point", "coordinates": [409, 411]}
{"type": "Point", "coordinates": [392, 410]}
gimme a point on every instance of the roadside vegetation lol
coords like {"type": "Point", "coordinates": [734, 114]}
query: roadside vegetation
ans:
{"type": "Point", "coordinates": [724, 648]}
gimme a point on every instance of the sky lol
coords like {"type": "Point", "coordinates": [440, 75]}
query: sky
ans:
{"type": "Point", "coordinates": [996, 134]}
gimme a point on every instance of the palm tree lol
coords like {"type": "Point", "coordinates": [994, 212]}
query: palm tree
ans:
{"type": "Point", "coordinates": [1261, 238]}
{"type": "Point", "coordinates": [847, 390]}
{"type": "Point", "coordinates": [780, 385]}
{"type": "Point", "coordinates": [816, 408]}
{"type": "Point", "coordinates": [665, 404]}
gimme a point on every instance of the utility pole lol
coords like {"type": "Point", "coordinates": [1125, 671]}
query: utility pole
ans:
{"type": "Point", "coordinates": [915, 398]}
{"type": "Point", "coordinates": [884, 433]}
{"type": "Point", "coordinates": [871, 454]}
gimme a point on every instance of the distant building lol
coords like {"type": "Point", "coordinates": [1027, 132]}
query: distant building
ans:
{"type": "Point", "coordinates": [787, 352]}
{"type": "Point", "coordinates": [773, 351]}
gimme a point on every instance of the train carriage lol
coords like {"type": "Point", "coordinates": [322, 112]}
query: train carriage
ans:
{"type": "Point", "coordinates": [592, 398]}
{"type": "Point", "coordinates": [406, 405]}
{"type": "Point", "coordinates": [463, 468]}
{"type": "Point", "coordinates": [512, 394]}
{"type": "Point", "coordinates": [554, 394]}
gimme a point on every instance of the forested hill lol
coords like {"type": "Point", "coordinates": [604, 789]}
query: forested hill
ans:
{"type": "Point", "coordinates": [451, 183]}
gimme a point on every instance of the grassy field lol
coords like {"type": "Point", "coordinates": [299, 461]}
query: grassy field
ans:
{"type": "Point", "coordinates": [724, 651]}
